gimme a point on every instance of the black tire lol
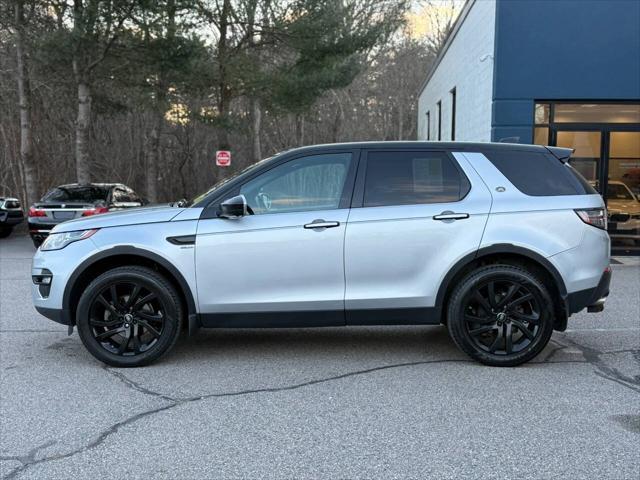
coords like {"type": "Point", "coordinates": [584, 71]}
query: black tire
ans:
{"type": "Point", "coordinates": [509, 330]}
{"type": "Point", "coordinates": [132, 306]}
{"type": "Point", "coordinates": [5, 231]}
{"type": "Point", "coordinates": [36, 242]}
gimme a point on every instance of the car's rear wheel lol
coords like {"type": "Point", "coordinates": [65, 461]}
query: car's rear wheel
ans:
{"type": "Point", "coordinates": [5, 231]}
{"type": "Point", "coordinates": [129, 316]}
{"type": "Point", "coordinates": [500, 315]}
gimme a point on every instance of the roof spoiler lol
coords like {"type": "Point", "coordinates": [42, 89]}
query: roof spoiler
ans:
{"type": "Point", "coordinates": [561, 153]}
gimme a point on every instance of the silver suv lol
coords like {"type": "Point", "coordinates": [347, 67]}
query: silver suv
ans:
{"type": "Point", "coordinates": [501, 243]}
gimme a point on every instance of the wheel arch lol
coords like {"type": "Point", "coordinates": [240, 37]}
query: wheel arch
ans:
{"type": "Point", "coordinates": [116, 257]}
{"type": "Point", "coordinates": [511, 254]}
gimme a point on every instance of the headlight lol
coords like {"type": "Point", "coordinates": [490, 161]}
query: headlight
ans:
{"type": "Point", "coordinates": [56, 241]}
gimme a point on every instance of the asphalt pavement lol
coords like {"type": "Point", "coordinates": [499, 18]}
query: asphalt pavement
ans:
{"type": "Point", "coordinates": [365, 402]}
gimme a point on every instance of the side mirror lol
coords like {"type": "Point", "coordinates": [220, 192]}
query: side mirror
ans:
{"type": "Point", "coordinates": [234, 207]}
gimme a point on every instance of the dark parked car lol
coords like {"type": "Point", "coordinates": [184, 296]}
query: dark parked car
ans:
{"type": "Point", "coordinates": [10, 215]}
{"type": "Point", "coordinates": [75, 200]}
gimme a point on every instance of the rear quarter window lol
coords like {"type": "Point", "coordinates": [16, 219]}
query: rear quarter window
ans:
{"type": "Point", "coordinates": [539, 174]}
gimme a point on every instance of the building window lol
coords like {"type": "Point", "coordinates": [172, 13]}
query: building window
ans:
{"type": "Point", "coordinates": [453, 114]}
{"type": "Point", "coordinates": [428, 125]}
{"type": "Point", "coordinates": [439, 105]}
{"type": "Point", "coordinates": [605, 138]}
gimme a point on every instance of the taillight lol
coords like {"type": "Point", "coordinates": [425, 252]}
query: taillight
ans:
{"type": "Point", "coordinates": [36, 212]}
{"type": "Point", "coordinates": [95, 211]}
{"type": "Point", "coordinates": [596, 217]}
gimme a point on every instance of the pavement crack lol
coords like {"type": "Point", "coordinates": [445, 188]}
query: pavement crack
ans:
{"type": "Point", "coordinates": [321, 380]}
{"type": "Point", "coordinates": [29, 457]}
{"type": "Point", "coordinates": [593, 356]}
{"type": "Point", "coordinates": [29, 460]}
{"type": "Point", "coordinates": [136, 386]}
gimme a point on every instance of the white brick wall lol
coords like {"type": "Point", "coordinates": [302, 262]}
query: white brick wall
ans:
{"type": "Point", "coordinates": [462, 68]}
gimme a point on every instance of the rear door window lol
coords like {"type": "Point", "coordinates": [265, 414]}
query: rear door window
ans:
{"type": "Point", "coordinates": [412, 177]}
{"type": "Point", "coordinates": [539, 174]}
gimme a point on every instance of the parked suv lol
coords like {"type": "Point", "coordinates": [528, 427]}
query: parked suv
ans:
{"type": "Point", "coordinates": [502, 243]}
{"type": "Point", "coordinates": [10, 215]}
{"type": "Point", "coordinates": [76, 200]}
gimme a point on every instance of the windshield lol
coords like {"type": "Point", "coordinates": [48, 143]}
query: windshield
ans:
{"type": "Point", "coordinates": [616, 191]}
{"type": "Point", "coordinates": [224, 181]}
{"type": "Point", "coordinates": [77, 194]}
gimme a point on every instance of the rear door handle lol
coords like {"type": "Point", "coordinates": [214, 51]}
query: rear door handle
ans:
{"type": "Point", "coordinates": [320, 223]}
{"type": "Point", "coordinates": [451, 216]}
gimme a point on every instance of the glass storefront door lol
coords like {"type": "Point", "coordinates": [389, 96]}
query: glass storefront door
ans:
{"type": "Point", "coordinates": [586, 157]}
{"type": "Point", "coordinates": [623, 188]}
{"type": "Point", "coordinates": [606, 140]}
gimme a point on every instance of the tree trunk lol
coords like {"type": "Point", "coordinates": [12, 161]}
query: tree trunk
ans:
{"type": "Point", "coordinates": [153, 156]}
{"type": "Point", "coordinates": [24, 103]}
{"type": "Point", "coordinates": [300, 129]}
{"type": "Point", "coordinates": [83, 122]}
{"type": "Point", "coordinates": [256, 120]}
{"type": "Point", "coordinates": [224, 88]}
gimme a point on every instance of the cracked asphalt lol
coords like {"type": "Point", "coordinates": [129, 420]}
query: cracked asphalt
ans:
{"type": "Point", "coordinates": [379, 402]}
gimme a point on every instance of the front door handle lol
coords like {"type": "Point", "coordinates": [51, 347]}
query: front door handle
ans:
{"type": "Point", "coordinates": [451, 216]}
{"type": "Point", "coordinates": [320, 223]}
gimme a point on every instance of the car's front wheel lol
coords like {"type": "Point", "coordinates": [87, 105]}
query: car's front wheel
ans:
{"type": "Point", "coordinates": [500, 315]}
{"type": "Point", "coordinates": [129, 316]}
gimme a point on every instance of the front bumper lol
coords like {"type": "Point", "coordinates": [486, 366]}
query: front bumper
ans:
{"type": "Point", "coordinates": [56, 314]}
{"type": "Point", "coordinates": [592, 299]}
{"type": "Point", "coordinates": [59, 266]}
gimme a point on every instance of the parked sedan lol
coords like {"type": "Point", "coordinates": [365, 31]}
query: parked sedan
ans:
{"type": "Point", "coordinates": [75, 200]}
{"type": "Point", "coordinates": [10, 215]}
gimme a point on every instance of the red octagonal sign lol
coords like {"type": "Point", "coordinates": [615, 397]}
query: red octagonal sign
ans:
{"type": "Point", "coordinates": [223, 158]}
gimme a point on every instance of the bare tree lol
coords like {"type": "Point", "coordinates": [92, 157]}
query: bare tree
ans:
{"type": "Point", "coordinates": [441, 15]}
{"type": "Point", "coordinates": [97, 24]}
{"type": "Point", "coordinates": [24, 102]}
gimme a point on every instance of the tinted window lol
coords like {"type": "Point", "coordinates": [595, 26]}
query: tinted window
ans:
{"type": "Point", "coordinates": [615, 191]}
{"type": "Point", "coordinates": [76, 194]}
{"type": "Point", "coordinates": [314, 182]}
{"type": "Point", "coordinates": [539, 174]}
{"type": "Point", "coordinates": [121, 195]}
{"type": "Point", "coordinates": [404, 178]}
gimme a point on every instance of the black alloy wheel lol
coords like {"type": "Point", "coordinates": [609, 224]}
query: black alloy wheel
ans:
{"type": "Point", "coordinates": [501, 315]}
{"type": "Point", "coordinates": [126, 318]}
{"type": "Point", "coordinates": [129, 316]}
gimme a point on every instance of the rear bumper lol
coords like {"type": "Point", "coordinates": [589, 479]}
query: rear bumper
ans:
{"type": "Point", "coordinates": [10, 218]}
{"type": "Point", "coordinates": [40, 231]}
{"type": "Point", "coordinates": [591, 298]}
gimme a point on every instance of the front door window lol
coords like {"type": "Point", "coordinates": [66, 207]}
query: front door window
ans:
{"type": "Point", "coordinates": [309, 183]}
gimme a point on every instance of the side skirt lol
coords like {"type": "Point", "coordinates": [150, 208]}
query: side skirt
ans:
{"type": "Point", "coordinates": [321, 318]}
